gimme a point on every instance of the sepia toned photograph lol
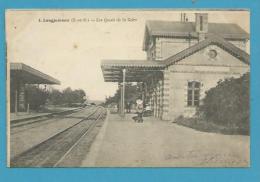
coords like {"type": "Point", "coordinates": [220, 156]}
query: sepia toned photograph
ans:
{"type": "Point", "coordinates": [128, 88]}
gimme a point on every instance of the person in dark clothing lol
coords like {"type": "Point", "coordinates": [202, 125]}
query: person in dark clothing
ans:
{"type": "Point", "coordinates": [128, 107]}
{"type": "Point", "coordinates": [139, 110]}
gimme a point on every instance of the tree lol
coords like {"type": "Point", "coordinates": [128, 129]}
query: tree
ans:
{"type": "Point", "coordinates": [67, 96]}
{"type": "Point", "coordinates": [228, 102]}
{"type": "Point", "coordinates": [79, 96]}
{"type": "Point", "coordinates": [132, 93]}
{"type": "Point", "coordinates": [55, 97]}
{"type": "Point", "coordinates": [35, 96]}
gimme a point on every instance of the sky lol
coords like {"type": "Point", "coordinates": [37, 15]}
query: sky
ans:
{"type": "Point", "coordinates": [71, 51]}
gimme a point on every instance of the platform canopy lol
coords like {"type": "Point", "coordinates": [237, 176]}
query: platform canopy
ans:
{"type": "Point", "coordinates": [136, 70]}
{"type": "Point", "coordinates": [29, 75]}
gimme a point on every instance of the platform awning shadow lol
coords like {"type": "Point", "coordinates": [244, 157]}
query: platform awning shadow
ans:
{"type": "Point", "coordinates": [123, 71]}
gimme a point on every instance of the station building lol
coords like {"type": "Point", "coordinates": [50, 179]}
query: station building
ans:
{"type": "Point", "coordinates": [184, 60]}
{"type": "Point", "coordinates": [20, 75]}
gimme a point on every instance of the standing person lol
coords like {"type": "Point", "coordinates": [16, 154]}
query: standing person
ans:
{"type": "Point", "coordinates": [139, 110]}
{"type": "Point", "coordinates": [128, 107]}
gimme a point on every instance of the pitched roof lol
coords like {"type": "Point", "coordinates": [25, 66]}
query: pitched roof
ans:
{"type": "Point", "coordinates": [169, 27]}
{"type": "Point", "coordinates": [211, 40]}
{"type": "Point", "coordinates": [187, 29]}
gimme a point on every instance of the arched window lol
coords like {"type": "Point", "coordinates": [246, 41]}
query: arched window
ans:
{"type": "Point", "coordinates": [193, 93]}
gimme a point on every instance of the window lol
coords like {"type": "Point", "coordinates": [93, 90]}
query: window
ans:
{"type": "Point", "coordinates": [212, 53]}
{"type": "Point", "coordinates": [193, 93]}
{"type": "Point", "coordinates": [201, 23]}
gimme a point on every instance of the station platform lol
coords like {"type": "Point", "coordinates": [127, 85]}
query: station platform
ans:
{"type": "Point", "coordinates": [122, 142]}
{"type": "Point", "coordinates": [31, 115]}
{"type": "Point", "coordinates": [25, 115]}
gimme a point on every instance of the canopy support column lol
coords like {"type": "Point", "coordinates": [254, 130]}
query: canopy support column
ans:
{"type": "Point", "coordinates": [144, 91]}
{"type": "Point", "coordinates": [21, 97]}
{"type": "Point", "coordinates": [16, 102]}
{"type": "Point", "coordinates": [122, 111]}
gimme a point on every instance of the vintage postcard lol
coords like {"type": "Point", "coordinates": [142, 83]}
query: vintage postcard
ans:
{"type": "Point", "coordinates": [128, 88]}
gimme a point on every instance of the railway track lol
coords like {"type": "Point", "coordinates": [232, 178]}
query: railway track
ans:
{"type": "Point", "coordinates": [26, 121]}
{"type": "Point", "coordinates": [17, 128]}
{"type": "Point", "coordinates": [51, 152]}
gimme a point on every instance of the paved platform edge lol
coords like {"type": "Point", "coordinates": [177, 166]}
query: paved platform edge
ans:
{"type": "Point", "coordinates": [42, 115]}
{"type": "Point", "coordinates": [91, 156]}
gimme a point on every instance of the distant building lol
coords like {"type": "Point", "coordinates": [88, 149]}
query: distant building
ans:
{"type": "Point", "coordinates": [20, 75]}
{"type": "Point", "coordinates": [184, 60]}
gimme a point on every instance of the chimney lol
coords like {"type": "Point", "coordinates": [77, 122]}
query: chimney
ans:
{"type": "Point", "coordinates": [201, 24]}
{"type": "Point", "coordinates": [184, 17]}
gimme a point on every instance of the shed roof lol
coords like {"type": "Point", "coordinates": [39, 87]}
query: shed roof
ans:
{"type": "Point", "coordinates": [30, 75]}
{"type": "Point", "coordinates": [137, 70]}
{"type": "Point", "coordinates": [131, 63]}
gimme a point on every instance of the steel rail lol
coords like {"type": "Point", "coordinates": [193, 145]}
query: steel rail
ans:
{"type": "Point", "coordinates": [37, 123]}
{"type": "Point", "coordinates": [22, 120]}
{"type": "Point", "coordinates": [38, 155]}
{"type": "Point", "coordinates": [77, 142]}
